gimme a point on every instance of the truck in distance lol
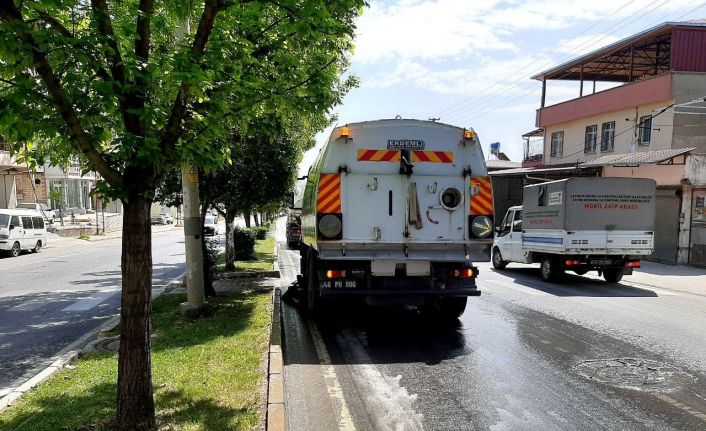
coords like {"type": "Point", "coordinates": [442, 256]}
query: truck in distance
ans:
{"type": "Point", "coordinates": [396, 212]}
{"type": "Point", "coordinates": [580, 224]}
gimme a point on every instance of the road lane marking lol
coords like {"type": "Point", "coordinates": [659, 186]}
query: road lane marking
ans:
{"type": "Point", "coordinates": [86, 304]}
{"type": "Point", "coordinates": [669, 400]}
{"type": "Point", "coordinates": [34, 262]}
{"type": "Point", "coordinates": [333, 385]}
{"type": "Point", "coordinates": [30, 305]}
{"type": "Point", "coordinates": [388, 403]}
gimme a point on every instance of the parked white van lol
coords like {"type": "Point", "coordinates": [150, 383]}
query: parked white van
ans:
{"type": "Point", "coordinates": [21, 230]}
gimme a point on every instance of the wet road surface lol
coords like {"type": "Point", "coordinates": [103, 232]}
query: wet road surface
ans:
{"type": "Point", "coordinates": [525, 355]}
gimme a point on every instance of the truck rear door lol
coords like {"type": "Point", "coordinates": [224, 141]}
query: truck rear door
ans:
{"type": "Point", "coordinates": [383, 198]}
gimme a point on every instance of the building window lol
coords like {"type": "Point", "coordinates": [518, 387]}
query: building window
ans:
{"type": "Point", "coordinates": [557, 144]}
{"type": "Point", "coordinates": [645, 133]}
{"type": "Point", "coordinates": [608, 136]}
{"type": "Point", "coordinates": [591, 139]}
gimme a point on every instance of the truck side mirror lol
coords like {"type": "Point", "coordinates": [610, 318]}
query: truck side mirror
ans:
{"type": "Point", "coordinates": [498, 229]}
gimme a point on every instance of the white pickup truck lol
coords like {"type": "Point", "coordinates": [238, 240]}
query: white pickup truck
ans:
{"type": "Point", "coordinates": [581, 225]}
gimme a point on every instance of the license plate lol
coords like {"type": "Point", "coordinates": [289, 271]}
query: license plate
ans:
{"type": "Point", "coordinates": [339, 284]}
{"type": "Point", "coordinates": [601, 261]}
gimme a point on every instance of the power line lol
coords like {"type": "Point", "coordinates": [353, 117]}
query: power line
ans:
{"type": "Point", "coordinates": [493, 108]}
{"type": "Point", "coordinates": [536, 60]}
{"type": "Point", "coordinates": [585, 44]}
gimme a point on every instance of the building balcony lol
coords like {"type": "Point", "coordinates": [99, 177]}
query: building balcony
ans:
{"type": "Point", "coordinates": [630, 95]}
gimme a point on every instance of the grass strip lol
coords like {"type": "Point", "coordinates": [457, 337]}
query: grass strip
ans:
{"type": "Point", "coordinates": [263, 258]}
{"type": "Point", "coordinates": [206, 373]}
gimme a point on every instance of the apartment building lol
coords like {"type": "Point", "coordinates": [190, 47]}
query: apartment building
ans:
{"type": "Point", "coordinates": [18, 185]}
{"type": "Point", "coordinates": [650, 122]}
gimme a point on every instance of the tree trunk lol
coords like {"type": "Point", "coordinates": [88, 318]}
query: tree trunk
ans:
{"type": "Point", "coordinates": [246, 214]}
{"type": "Point", "coordinates": [230, 249]}
{"type": "Point", "coordinates": [135, 401]}
{"type": "Point", "coordinates": [208, 269]}
{"type": "Point", "coordinates": [257, 220]}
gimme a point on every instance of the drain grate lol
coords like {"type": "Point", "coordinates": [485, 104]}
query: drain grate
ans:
{"type": "Point", "coordinates": [634, 373]}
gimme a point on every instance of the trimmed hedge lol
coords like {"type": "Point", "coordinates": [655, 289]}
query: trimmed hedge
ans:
{"type": "Point", "coordinates": [243, 243]}
{"type": "Point", "coordinates": [260, 232]}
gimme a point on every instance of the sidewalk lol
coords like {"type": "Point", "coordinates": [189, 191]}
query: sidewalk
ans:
{"type": "Point", "coordinates": [687, 279]}
{"type": "Point", "coordinates": [119, 233]}
{"type": "Point", "coordinates": [678, 278]}
{"type": "Point", "coordinates": [56, 241]}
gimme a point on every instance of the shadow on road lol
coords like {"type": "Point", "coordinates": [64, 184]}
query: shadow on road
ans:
{"type": "Point", "coordinates": [574, 285]}
{"type": "Point", "coordinates": [161, 274]}
{"type": "Point", "coordinates": [34, 327]}
{"type": "Point", "coordinates": [358, 333]}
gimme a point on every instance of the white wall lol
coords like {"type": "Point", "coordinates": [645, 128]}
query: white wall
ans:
{"type": "Point", "coordinates": [8, 191]}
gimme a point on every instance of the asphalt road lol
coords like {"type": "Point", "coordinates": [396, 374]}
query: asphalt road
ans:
{"type": "Point", "coordinates": [525, 355]}
{"type": "Point", "coordinates": [50, 299]}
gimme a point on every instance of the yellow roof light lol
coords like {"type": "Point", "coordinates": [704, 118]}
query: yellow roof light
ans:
{"type": "Point", "coordinates": [468, 134]}
{"type": "Point", "coordinates": [345, 132]}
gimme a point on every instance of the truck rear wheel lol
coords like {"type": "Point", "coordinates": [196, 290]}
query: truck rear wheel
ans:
{"type": "Point", "coordinates": [498, 262]}
{"type": "Point", "coordinates": [613, 275]}
{"type": "Point", "coordinates": [446, 308]}
{"type": "Point", "coordinates": [549, 270]}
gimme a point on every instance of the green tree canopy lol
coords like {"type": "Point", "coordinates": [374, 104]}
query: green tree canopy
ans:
{"type": "Point", "coordinates": [131, 90]}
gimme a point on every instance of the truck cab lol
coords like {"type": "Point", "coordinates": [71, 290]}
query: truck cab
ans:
{"type": "Point", "coordinates": [508, 239]}
{"type": "Point", "coordinates": [294, 229]}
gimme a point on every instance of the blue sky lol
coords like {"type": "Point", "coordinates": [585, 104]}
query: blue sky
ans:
{"type": "Point", "coordinates": [469, 61]}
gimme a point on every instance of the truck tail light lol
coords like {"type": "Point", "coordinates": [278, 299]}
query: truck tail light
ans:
{"type": "Point", "coordinates": [632, 264]}
{"type": "Point", "coordinates": [574, 262]}
{"type": "Point", "coordinates": [334, 274]}
{"type": "Point", "coordinates": [463, 273]}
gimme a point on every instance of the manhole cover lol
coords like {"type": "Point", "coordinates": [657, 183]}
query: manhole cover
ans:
{"type": "Point", "coordinates": [637, 374]}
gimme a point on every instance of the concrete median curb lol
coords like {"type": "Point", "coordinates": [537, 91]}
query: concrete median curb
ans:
{"type": "Point", "coordinates": [247, 274]}
{"type": "Point", "coordinates": [69, 353]}
{"type": "Point", "coordinates": [275, 419]}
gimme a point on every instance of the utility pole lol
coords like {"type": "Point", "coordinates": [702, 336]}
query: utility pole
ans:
{"type": "Point", "coordinates": [195, 296]}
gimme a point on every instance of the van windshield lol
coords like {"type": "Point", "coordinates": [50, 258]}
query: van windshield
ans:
{"type": "Point", "coordinates": [4, 220]}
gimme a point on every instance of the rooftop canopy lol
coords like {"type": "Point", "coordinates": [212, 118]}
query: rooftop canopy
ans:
{"type": "Point", "coordinates": [639, 56]}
